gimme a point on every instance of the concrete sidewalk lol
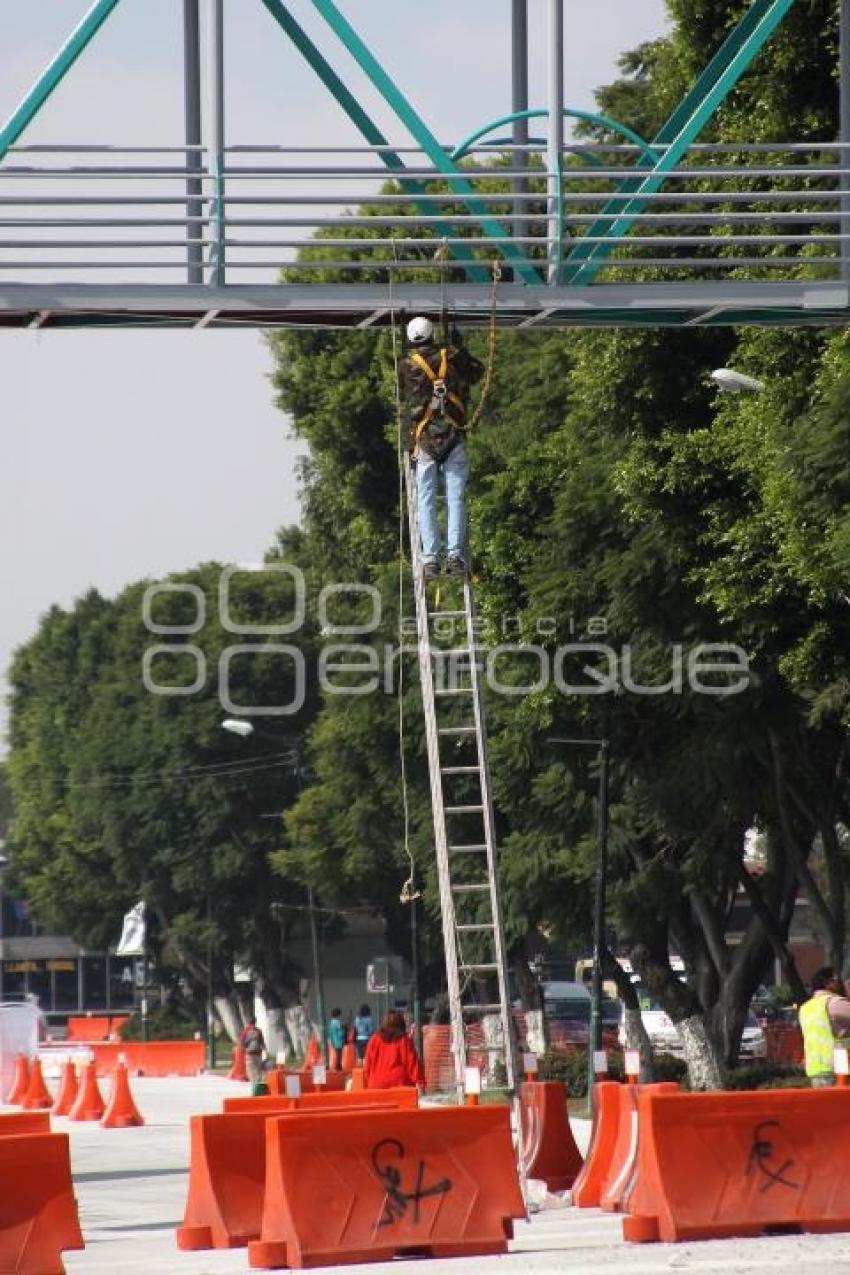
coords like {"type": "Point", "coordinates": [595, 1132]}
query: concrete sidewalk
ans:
{"type": "Point", "coordinates": [131, 1187]}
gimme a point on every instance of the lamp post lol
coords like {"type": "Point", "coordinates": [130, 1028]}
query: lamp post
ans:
{"type": "Point", "coordinates": [595, 1034]}
{"type": "Point", "coordinates": [239, 726]}
{"type": "Point", "coordinates": [4, 862]}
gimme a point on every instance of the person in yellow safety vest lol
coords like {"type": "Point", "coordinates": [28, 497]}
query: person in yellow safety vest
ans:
{"type": "Point", "coordinates": [824, 1019]}
{"type": "Point", "coordinates": [434, 382]}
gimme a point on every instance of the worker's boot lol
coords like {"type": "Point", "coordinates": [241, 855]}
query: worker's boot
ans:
{"type": "Point", "coordinates": [430, 571]}
{"type": "Point", "coordinates": [456, 567]}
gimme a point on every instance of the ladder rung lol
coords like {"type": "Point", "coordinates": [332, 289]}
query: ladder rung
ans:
{"type": "Point", "coordinates": [453, 690]}
{"type": "Point", "coordinates": [451, 654]}
{"type": "Point", "coordinates": [460, 770]}
{"type": "Point", "coordinates": [480, 1009]}
{"type": "Point", "coordinates": [456, 730]}
{"type": "Point", "coordinates": [471, 889]}
{"type": "Point", "coordinates": [467, 849]}
{"type": "Point", "coordinates": [464, 810]}
{"type": "Point", "coordinates": [481, 969]}
{"type": "Point", "coordinates": [477, 928]}
{"type": "Point", "coordinates": [446, 615]}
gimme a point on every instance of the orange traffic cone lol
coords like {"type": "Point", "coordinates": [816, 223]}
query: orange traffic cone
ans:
{"type": "Point", "coordinates": [88, 1104]}
{"type": "Point", "coordinates": [20, 1084]}
{"type": "Point", "coordinates": [237, 1068]}
{"type": "Point", "coordinates": [121, 1111]}
{"type": "Point", "coordinates": [67, 1090]}
{"type": "Point", "coordinates": [349, 1058]}
{"type": "Point", "coordinates": [313, 1054]}
{"type": "Point", "coordinates": [38, 1096]}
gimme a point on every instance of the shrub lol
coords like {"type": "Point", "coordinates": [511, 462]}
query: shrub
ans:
{"type": "Point", "coordinates": [164, 1023]}
{"type": "Point", "coordinates": [768, 1075]}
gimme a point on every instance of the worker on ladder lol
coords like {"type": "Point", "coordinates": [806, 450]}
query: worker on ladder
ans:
{"type": "Point", "coordinates": [434, 382]}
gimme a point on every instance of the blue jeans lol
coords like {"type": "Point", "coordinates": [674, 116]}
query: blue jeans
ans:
{"type": "Point", "coordinates": [455, 471]}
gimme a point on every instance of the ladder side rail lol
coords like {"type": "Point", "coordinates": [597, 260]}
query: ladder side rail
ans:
{"type": "Point", "coordinates": [440, 832]}
{"type": "Point", "coordinates": [490, 840]}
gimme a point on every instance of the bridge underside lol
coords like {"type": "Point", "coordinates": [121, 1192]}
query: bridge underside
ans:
{"type": "Point", "coordinates": [697, 304]}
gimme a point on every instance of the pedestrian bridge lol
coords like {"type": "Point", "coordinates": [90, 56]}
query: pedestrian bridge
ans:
{"type": "Point", "coordinates": [618, 230]}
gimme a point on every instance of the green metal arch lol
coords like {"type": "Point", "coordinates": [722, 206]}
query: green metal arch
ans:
{"type": "Point", "coordinates": [592, 117]}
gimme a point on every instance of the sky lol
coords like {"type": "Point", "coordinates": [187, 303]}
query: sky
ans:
{"type": "Point", "coordinates": [126, 455]}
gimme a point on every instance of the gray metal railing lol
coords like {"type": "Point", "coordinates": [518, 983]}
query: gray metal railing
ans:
{"type": "Point", "coordinates": [77, 212]}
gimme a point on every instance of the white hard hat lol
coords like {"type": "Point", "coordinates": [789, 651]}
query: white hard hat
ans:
{"type": "Point", "coordinates": [419, 331]}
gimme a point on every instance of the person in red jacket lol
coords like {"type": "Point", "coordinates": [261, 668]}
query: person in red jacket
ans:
{"type": "Point", "coordinates": [391, 1059]}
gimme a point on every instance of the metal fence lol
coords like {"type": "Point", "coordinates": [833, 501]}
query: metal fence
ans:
{"type": "Point", "coordinates": [171, 215]}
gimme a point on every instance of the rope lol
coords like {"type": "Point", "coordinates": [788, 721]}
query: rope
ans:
{"type": "Point", "coordinates": [491, 348]}
{"type": "Point", "coordinates": [408, 890]}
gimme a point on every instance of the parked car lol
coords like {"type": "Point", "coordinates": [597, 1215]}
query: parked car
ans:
{"type": "Point", "coordinates": [664, 1036]}
{"type": "Point", "coordinates": [567, 1008]}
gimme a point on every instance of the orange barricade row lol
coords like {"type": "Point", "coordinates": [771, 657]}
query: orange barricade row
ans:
{"type": "Point", "coordinates": [38, 1213]}
{"type": "Point", "coordinates": [15, 1123]}
{"type": "Point", "coordinates": [88, 1029]}
{"type": "Point", "coordinates": [549, 1149]}
{"type": "Point", "coordinates": [366, 1185]}
{"type": "Point", "coordinates": [402, 1097]}
{"type": "Point", "coordinates": [624, 1155]}
{"type": "Point", "coordinates": [143, 1058]}
{"type": "Point", "coordinates": [587, 1188]}
{"type": "Point", "coordinates": [743, 1163]}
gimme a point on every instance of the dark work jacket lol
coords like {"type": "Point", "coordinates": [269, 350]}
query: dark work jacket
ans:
{"type": "Point", "coordinates": [442, 432]}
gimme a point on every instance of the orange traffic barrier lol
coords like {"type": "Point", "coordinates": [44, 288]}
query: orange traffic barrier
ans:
{"type": "Point", "coordinates": [742, 1163]}
{"type": "Point", "coordinates": [624, 1156]}
{"type": "Point", "coordinates": [438, 1181]}
{"type": "Point", "coordinates": [21, 1080]}
{"type": "Point", "coordinates": [14, 1123]}
{"type": "Point", "coordinates": [404, 1098]}
{"type": "Point", "coordinates": [238, 1070]}
{"type": "Point", "coordinates": [38, 1214]}
{"type": "Point", "coordinates": [67, 1091]}
{"type": "Point", "coordinates": [349, 1058]}
{"type": "Point", "coordinates": [88, 1104]}
{"type": "Point", "coordinates": [227, 1171]}
{"type": "Point", "coordinates": [121, 1111]}
{"type": "Point", "coordinates": [87, 1029]}
{"type": "Point", "coordinates": [37, 1097]}
{"type": "Point", "coordinates": [587, 1187]}
{"type": "Point", "coordinates": [549, 1148]}
{"type": "Point", "coordinates": [115, 1024]}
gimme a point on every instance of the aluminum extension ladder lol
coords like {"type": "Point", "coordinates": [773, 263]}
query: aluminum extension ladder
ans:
{"type": "Point", "coordinates": [464, 827]}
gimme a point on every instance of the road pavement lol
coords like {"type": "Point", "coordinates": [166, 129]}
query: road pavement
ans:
{"type": "Point", "coordinates": [131, 1187]}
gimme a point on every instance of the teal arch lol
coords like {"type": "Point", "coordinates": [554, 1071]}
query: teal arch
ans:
{"type": "Point", "coordinates": [592, 117]}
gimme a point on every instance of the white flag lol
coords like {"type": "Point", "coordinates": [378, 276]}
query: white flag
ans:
{"type": "Point", "coordinates": [132, 941]}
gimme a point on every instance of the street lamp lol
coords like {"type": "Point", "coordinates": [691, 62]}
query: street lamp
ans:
{"type": "Point", "coordinates": [239, 726]}
{"type": "Point", "coordinates": [726, 378]}
{"type": "Point", "coordinates": [595, 1034]}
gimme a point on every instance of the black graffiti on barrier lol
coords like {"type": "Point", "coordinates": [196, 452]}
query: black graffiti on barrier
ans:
{"type": "Point", "coordinates": [385, 1157]}
{"type": "Point", "coordinates": [761, 1153]}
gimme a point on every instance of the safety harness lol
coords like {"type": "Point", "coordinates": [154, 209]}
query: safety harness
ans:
{"type": "Point", "coordinates": [441, 395]}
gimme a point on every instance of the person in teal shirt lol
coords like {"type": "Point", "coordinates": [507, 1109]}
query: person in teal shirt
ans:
{"type": "Point", "coordinates": [364, 1027]}
{"type": "Point", "coordinates": [336, 1039]}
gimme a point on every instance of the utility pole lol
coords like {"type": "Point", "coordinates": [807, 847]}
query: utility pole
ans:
{"type": "Point", "coordinates": [317, 976]}
{"type": "Point", "coordinates": [194, 140]}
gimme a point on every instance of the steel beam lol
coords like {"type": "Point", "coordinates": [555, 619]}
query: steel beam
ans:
{"type": "Point", "coordinates": [55, 72]}
{"type": "Point", "coordinates": [217, 141]}
{"type": "Point", "coordinates": [519, 98]}
{"type": "Point", "coordinates": [683, 127]}
{"type": "Point", "coordinates": [555, 148]}
{"type": "Point", "coordinates": [732, 301]}
{"type": "Point", "coordinates": [844, 133]}
{"type": "Point", "coordinates": [194, 140]}
{"type": "Point", "coordinates": [365, 125]}
{"type": "Point", "coordinates": [460, 187]}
